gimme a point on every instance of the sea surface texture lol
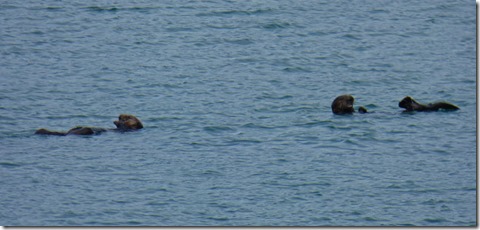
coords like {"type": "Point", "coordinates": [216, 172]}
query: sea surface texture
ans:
{"type": "Point", "coordinates": [235, 99]}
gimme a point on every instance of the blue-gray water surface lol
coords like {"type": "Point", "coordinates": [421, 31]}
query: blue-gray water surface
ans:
{"type": "Point", "coordinates": [235, 99]}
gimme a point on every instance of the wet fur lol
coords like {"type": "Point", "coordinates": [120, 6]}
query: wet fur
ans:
{"type": "Point", "coordinates": [409, 104]}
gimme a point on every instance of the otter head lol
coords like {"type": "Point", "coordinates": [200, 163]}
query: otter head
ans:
{"type": "Point", "coordinates": [407, 103]}
{"type": "Point", "coordinates": [128, 122]}
{"type": "Point", "coordinates": [343, 104]}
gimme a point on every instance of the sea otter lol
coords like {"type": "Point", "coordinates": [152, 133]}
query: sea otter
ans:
{"type": "Point", "coordinates": [125, 122]}
{"type": "Point", "coordinates": [411, 105]}
{"type": "Point", "coordinates": [343, 104]}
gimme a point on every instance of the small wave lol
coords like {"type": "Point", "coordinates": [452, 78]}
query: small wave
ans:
{"type": "Point", "coordinates": [222, 26]}
{"type": "Point", "coordinates": [297, 69]}
{"type": "Point", "coordinates": [4, 6]}
{"type": "Point", "coordinates": [101, 9]}
{"type": "Point", "coordinates": [353, 142]}
{"type": "Point", "coordinates": [379, 11]}
{"type": "Point", "coordinates": [259, 126]}
{"type": "Point", "coordinates": [115, 9]}
{"type": "Point", "coordinates": [433, 202]}
{"type": "Point", "coordinates": [234, 12]}
{"type": "Point", "coordinates": [9, 164]}
{"type": "Point", "coordinates": [179, 29]}
{"type": "Point", "coordinates": [48, 8]}
{"type": "Point", "coordinates": [469, 189]}
{"type": "Point", "coordinates": [70, 214]}
{"type": "Point", "coordinates": [57, 117]}
{"type": "Point", "coordinates": [311, 124]}
{"type": "Point", "coordinates": [157, 203]}
{"type": "Point", "coordinates": [351, 37]}
{"type": "Point", "coordinates": [161, 85]}
{"type": "Point", "coordinates": [218, 218]}
{"type": "Point", "coordinates": [435, 220]}
{"type": "Point", "coordinates": [319, 33]}
{"type": "Point", "coordinates": [256, 126]}
{"type": "Point", "coordinates": [113, 223]}
{"type": "Point", "coordinates": [340, 127]}
{"type": "Point", "coordinates": [54, 8]}
{"type": "Point", "coordinates": [371, 219]}
{"type": "Point", "coordinates": [162, 118]}
{"type": "Point", "coordinates": [245, 141]}
{"type": "Point", "coordinates": [285, 108]}
{"type": "Point", "coordinates": [242, 41]}
{"type": "Point", "coordinates": [277, 25]}
{"type": "Point", "coordinates": [152, 190]}
{"type": "Point", "coordinates": [211, 173]}
{"type": "Point", "coordinates": [273, 96]}
{"type": "Point", "coordinates": [314, 184]}
{"type": "Point", "coordinates": [5, 118]}
{"type": "Point", "coordinates": [216, 129]}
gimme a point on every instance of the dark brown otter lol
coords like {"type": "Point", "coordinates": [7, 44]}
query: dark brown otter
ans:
{"type": "Point", "coordinates": [124, 123]}
{"type": "Point", "coordinates": [409, 104]}
{"type": "Point", "coordinates": [343, 104]}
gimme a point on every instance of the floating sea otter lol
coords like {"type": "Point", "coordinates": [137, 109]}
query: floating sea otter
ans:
{"type": "Point", "coordinates": [343, 104]}
{"type": "Point", "coordinates": [411, 105]}
{"type": "Point", "coordinates": [125, 122]}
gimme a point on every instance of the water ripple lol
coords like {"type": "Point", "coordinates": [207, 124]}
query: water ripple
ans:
{"type": "Point", "coordinates": [235, 97]}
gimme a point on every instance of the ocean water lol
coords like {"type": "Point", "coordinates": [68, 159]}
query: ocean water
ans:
{"type": "Point", "coordinates": [235, 99]}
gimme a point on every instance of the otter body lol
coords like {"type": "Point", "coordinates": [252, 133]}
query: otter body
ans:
{"type": "Point", "coordinates": [409, 104]}
{"type": "Point", "coordinates": [343, 104]}
{"type": "Point", "coordinates": [124, 123]}
{"type": "Point", "coordinates": [79, 130]}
